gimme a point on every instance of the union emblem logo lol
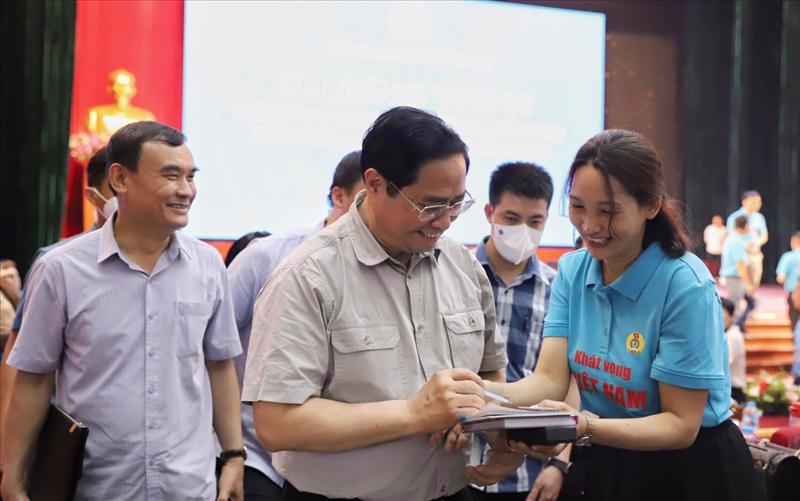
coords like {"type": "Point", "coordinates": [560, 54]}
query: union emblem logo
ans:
{"type": "Point", "coordinates": [635, 343]}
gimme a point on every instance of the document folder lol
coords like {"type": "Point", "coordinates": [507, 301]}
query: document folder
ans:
{"type": "Point", "coordinates": [534, 426]}
{"type": "Point", "coordinates": [58, 463]}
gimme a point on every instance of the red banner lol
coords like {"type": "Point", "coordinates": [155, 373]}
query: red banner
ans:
{"type": "Point", "coordinates": [144, 37]}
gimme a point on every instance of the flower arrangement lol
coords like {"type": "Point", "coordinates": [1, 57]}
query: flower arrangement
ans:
{"type": "Point", "coordinates": [82, 144]}
{"type": "Point", "coordinates": [771, 392]}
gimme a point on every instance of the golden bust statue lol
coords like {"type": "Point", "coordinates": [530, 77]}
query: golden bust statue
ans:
{"type": "Point", "coordinates": [107, 118]}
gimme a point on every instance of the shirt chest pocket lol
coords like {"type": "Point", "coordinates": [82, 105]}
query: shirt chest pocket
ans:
{"type": "Point", "coordinates": [368, 365]}
{"type": "Point", "coordinates": [191, 320]}
{"type": "Point", "coordinates": [465, 334]}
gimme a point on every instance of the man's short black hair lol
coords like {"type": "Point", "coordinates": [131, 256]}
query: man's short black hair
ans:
{"type": "Point", "coordinates": [347, 173]}
{"type": "Point", "coordinates": [125, 146]}
{"type": "Point", "coordinates": [96, 169]}
{"type": "Point", "coordinates": [728, 305]}
{"type": "Point", "coordinates": [404, 138]}
{"type": "Point", "coordinates": [750, 193]}
{"type": "Point", "coordinates": [525, 179]}
{"type": "Point", "coordinates": [740, 222]}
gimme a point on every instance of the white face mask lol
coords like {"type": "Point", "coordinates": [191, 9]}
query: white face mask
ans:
{"type": "Point", "coordinates": [516, 243]}
{"type": "Point", "coordinates": [109, 207]}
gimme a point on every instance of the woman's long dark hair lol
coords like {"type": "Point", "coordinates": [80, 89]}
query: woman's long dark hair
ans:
{"type": "Point", "coordinates": [630, 159]}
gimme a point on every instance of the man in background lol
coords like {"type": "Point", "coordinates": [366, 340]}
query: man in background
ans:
{"type": "Point", "coordinates": [786, 276]}
{"type": "Point", "coordinates": [519, 203]}
{"type": "Point", "coordinates": [714, 236]}
{"type": "Point", "coordinates": [734, 269]}
{"type": "Point", "coordinates": [247, 274]}
{"type": "Point", "coordinates": [757, 234]}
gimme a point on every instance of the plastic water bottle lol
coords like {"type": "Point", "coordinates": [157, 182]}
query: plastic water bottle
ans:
{"type": "Point", "coordinates": [750, 416]}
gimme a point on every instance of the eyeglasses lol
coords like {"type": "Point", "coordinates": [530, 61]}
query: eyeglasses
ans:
{"type": "Point", "coordinates": [431, 212]}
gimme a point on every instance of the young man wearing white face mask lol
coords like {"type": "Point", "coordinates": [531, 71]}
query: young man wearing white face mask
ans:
{"type": "Point", "coordinates": [519, 200]}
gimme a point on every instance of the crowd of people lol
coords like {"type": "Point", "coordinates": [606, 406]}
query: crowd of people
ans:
{"type": "Point", "coordinates": [734, 256]}
{"type": "Point", "coordinates": [337, 361]}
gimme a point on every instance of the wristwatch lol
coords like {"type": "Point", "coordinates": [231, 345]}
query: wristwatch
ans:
{"type": "Point", "coordinates": [585, 438]}
{"type": "Point", "coordinates": [225, 456]}
{"type": "Point", "coordinates": [562, 466]}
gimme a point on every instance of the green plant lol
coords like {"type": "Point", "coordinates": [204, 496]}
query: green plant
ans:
{"type": "Point", "coordinates": [769, 392]}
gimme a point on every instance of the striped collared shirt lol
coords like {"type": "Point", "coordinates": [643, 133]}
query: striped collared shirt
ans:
{"type": "Point", "coordinates": [521, 307]}
{"type": "Point", "coordinates": [129, 350]}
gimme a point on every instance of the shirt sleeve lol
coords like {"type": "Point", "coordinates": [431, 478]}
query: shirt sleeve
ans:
{"type": "Point", "coordinates": [761, 225]}
{"type": "Point", "coordinates": [41, 335]}
{"type": "Point", "coordinates": [287, 359]}
{"type": "Point", "coordinates": [245, 277]}
{"type": "Point", "coordinates": [221, 339]}
{"type": "Point", "coordinates": [779, 270]}
{"type": "Point", "coordinates": [692, 342]}
{"type": "Point", "coordinates": [494, 348]}
{"type": "Point", "coordinates": [17, 324]}
{"type": "Point", "coordinates": [556, 322]}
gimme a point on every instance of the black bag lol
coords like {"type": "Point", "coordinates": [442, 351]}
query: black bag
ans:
{"type": "Point", "coordinates": [58, 464]}
{"type": "Point", "coordinates": [779, 468]}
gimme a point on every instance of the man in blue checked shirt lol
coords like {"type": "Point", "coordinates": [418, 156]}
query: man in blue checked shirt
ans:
{"type": "Point", "coordinates": [519, 200]}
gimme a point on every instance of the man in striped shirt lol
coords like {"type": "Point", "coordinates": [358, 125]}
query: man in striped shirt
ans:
{"type": "Point", "coordinates": [519, 200]}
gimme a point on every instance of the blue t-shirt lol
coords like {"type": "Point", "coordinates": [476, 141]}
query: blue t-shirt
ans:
{"type": "Point", "coordinates": [734, 250]}
{"type": "Point", "coordinates": [789, 265]}
{"type": "Point", "coordinates": [756, 223]}
{"type": "Point", "coordinates": [661, 321]}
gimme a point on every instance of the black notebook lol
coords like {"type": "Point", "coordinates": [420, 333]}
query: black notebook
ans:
{"type": "Point", "coordinates": [58, 463]}
{"type": "Point", "coordinates": [532, 425]}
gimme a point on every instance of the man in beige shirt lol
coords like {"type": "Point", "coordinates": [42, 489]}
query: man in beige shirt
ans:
{"type": "Point", "coordinates": [371, 338]}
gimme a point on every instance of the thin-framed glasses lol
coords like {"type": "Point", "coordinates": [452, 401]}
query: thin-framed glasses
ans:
{"type": "Point", "coordinates": [429, 213]}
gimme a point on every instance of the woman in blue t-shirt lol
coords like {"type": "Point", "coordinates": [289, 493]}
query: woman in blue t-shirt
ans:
{"type": "Point", "coordinates": [636, 319]}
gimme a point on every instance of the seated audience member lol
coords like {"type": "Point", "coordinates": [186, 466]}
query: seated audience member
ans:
{"type": "Point", "coordinates": [368, 338]}
{"type": "Point", "coordinates": [734, 270]}
{"type": "Point", "coordinates": [736, 352]}
{"type": "Point", "coordinates": [637, 318]}
{"type": "Point", "coordinates": [519, 203]}
{"type": "Point", "coordinates": [242, 243]}
{"type": "Point", "coordinates": [786, 276]}
{"type": "Point", "coordinates": [133, 327]}
{"type": "Point", "coordinates": [104, 203]}
{"type": "Point", "coordinates": [714, 236]}
{"type": "Point", "coordinates": [247, 275]}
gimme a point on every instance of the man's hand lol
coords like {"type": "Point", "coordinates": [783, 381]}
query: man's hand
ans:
{"type": "Point", "coordinates": [453, 438]}
{"type": "Point", "coordinates": [547, 486]}
{"type": "Point", "coordinates": [231, 481]}
{"type": "Point", "coordinates": [449, 395]}
{"type": "Point", "coordinates": [498, 466]}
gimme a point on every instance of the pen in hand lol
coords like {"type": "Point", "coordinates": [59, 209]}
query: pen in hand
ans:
{"type": "Point", "coordinates": [495, 396]}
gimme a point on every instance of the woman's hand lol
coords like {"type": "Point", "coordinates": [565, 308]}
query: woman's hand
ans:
{"type": "Point", "coordinates": [544, 451]}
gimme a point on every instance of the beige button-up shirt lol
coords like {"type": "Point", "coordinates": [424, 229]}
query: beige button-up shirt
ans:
{"type": "Point", "coordinates": [340, 319]}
